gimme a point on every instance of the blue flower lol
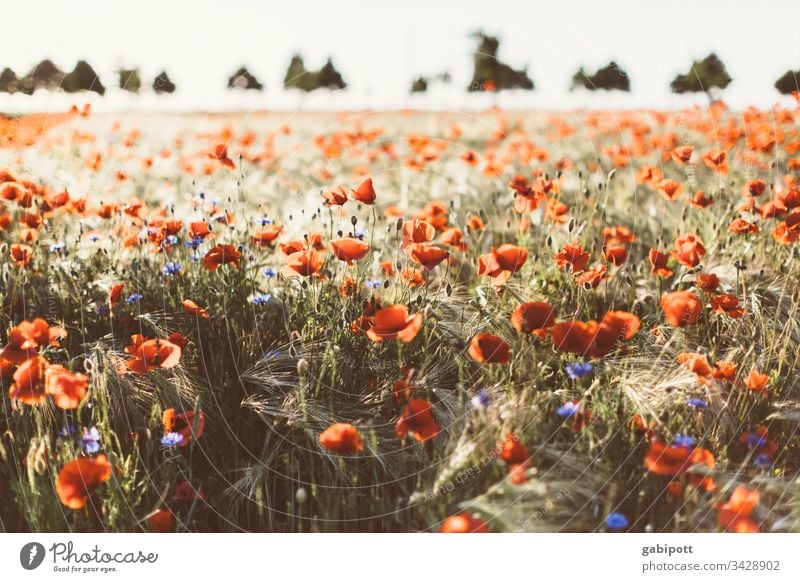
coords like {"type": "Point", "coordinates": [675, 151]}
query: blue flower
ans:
{"type": "Point", "coordinates": [617, 521]}
{"type": "Point", "coordinates": [568, 409]}
{"type": "Point", "coordinates": [94, 237]}
{"type": "Point", "coordinates": [194, 257]}
{"type": "Point", "coordinates": [697, 403]}
{"type": "Point", "coordinates": [90, 441]}
{"type": "Point", "coordinates": [360, 234]}
{"type": "Point", "coordinates": [171, 239]}
{"type": "Point", "coordinates": [264, 221]}
{"type": "Point", "coordinates": [194, 243]}
{"type": "Point", "coordinates": [269, 272]}
{"type": "Point", "coordinates": [133, 298]}
{"type": "Point", "coordinates": [754, 440]}
{"type": "Point", "coordinates": [67, 430]}
{"type": "Point", "coordinates": [684, 440]}
{"type": "Point", "coordinates": [102, 310]}
{"type": "Point", "coordinates": [373, 284]}
{"type": "Point", "coordinates": [171, 268]}
{"type": "Point", "coordinates": [261, 299]}
{"type": "Point", "coordinates": [172, 439]}
{"type": "Point", "coordinates": [481, 400]}
{"type": "Point", "coordinates": [578, 369]}
{"type": "Point", "coordinates": [57, 247]}
{"type": "Point", "coordinates": [762, 461]}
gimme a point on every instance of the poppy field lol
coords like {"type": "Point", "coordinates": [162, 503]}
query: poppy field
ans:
{"type": "Point", "coordinates": [497, 321]}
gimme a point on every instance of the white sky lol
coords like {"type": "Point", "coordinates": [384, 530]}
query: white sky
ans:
{"type": "Point", "coordinates": [200, 43]}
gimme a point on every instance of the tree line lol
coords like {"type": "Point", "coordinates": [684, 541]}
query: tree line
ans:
{"type": "Point", "coordinates": [490, 74]}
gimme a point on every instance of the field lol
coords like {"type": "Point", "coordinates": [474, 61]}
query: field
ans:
{"type": "Point", "coordinates": [401, 321]}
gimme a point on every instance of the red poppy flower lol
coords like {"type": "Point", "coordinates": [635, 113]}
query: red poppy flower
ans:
{"type": "Point", "coordinates": [417, 231]}
{"type": "Point", "coordinates": [502, 262]}
{"type": "Point", "coordinates": [186, 424]}
{"type": "Point", "coordinates": [688, 249]}
{"type": "Point", "coordinates": [153, 354]}
{"type": "Point", "coordinates": [728, 304]}
{"type": "Point", "coordinates": [428, 255]}
{"type": "Point", "coordinates": [486, 348]}
{"type": "Point", "coordinates": [708, 282]}
{"type": "Point", "coordinates": [394, 322]}
{"type": "Point", "coordinates": [725, 370]}
{"type": "Point", "coordinates": [463, 523]}
{"type": "Point", "coordinates": [267, 235]}
{"type": "Point", "coordinates": [21, 255]}
{"type": "Point", "coordinates": [162, 521]}
{"type": "Point", "coordinates": [591, 278]}
{"type": "Point", "coordinates": [365, 193]}
{"type": "Point", "coordinates": [757, 382]}
{"type": "Point", "coordinates": [28, 386]}
{"type": "Point", "coordinates": [304, 263]}
{"type": "Point", "coordinates": [667, 460]}
{"type": "Point", "coordinates": [573, 256]}
{"type": "Point", "coordinates": [574, 337]}
{"type": "Point", "coordinates": [417, 418]}
{"type": "Point", "coordinates": [25, 338]}
{"type": "Point", "coordinates": [681, 308]}
{"type": "Point", "coordinates": [700, 200]}
{"type": "Point", "coordinates": [534, 317]}
{"type": "Point", "coordinates": [715, 160]}
{"type": "Point", "coordinates": [221, 255]}
{"type": "Point", "coordinates": [79, 477]}
{"type": "Point", "coordinates": [512, 451]}
{"type": "Point", "coordinates": [658, 262]}
{"type": "Point", "coordinates": [193, 308]}
{"type": "Point", "coordinates": [682, 154]}
{"type": "Point", "coordinates": [335, 197]}
{"type": "Point", "coordinates": [741, 226]}
{"type": "Point", "coordinates": [695, 362]}
{"type": "Point", "coordinates": [199, 230]}
{"type": "Point", "coordinates": [670, 189]}
{"type": "Point", "coordinates": [342, 438]}
{"type": "Point", "coordinates": [615, 254]}
{"type": "Point", "coordinates": [349, 249]}
{"type": "Point", "coordinates": [220, 154]}
{"type": "Point", "coordinates": [115, 293]}
{"type": "Point", "coordinates": [67, 388]}
{"type": "Point", "coordinates": [735, 514]}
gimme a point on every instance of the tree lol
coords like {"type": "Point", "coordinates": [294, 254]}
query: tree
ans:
{"type": "Point", "coordinates": [702, 77]}
{"type": "Point", "coordinates": [243, 79]}
{"type": "Point", "coordinates": [788, 83]}
{"type": "Point", "coordinates": [163, 84]}
{"type": "Point", "coordinates": [608, 78]}
{"type": "Point", "coordinates": [45, 75]}
{"type": "Point", "coordinates": [129, 80]}
{"type": "Point", "coordinates": [9, 82]}
{"type": "Point", "coordinates": [490, 74]}
{"type": "Point", "coordinates": [82, 78]}
{"type": "Point", "coordinates": [329, 78]}
{"type": "Point", "coordinates": [298, 77]}
{"type": "Point", "coordinates": [419, 85]}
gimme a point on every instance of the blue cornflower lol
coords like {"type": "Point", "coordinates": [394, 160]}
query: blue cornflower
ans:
{"type": "Point", "coordinates": [762, 461]}
{"type": "Point", "coordinates": [269, 272]}
{"type": "Point", "coordinates": [697, 403]}
{"type": "Point", "coordinates": [194, 257]}
{"type": "Point", "coordinates": [57, 247]}
{"type": "Point", "coordinates": [94, 237]}
{"type": "Point", "coordinates": [102, 310]}
{"type": "Point", "coordinates": [568, 409]}
{"type": "Point", "coordinates": [263, 221]}
{"type": "Point", "coordinates": [617, 521]}
{"type": "Point", "coordinates": [373, 284]}
{"type": "Point", "coordinates": [261, 299]}
{"type": "Point", "coordinates": [172, 439]}
{"type": "Point", "coordinates": [754, 440]}
{"type": "Point", "coordinates": [194, 243]}
{"type": "Point", "coordinates": [684, 440]}
{"type": "Point", "coordinates": [360, 234]}
{"type": "Point", "coordinates": [171, 268]}
{"type": "Point", "coordinates": [133, 298]}
{"type": "Point", "coordinates": [90, 441]}
{"type": "Point", "coordinates": [481, 400]}
{"type": "Point", "coordinates": [578, 369]}
{"type": "Point", "coordinates": [171, 239]}
{"type": "Point", "coordinates": [67, 430]}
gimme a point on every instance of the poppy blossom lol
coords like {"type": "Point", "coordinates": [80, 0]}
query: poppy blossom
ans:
{"type": "Point", "coordinates": [708, 282]}
{"type": "Point", "coordinates": [573, 256]}
{"type": "Point", "coordinates": [428, 255]}
{"type": "Point", "coordinates": [700, 200]}
{"type": "Point", "coordinates": [417, 231]}
{"type": "Point", "coordinates": [335, 197]}
{"type": "Point", "coordinates": [735, 514]}
{"type": "Point", "coordinates": [741, 226]}
{"type": "Point", "coordinates": [154, 354]}
{"type": "Point", "coordinates": [534, 317]}
{"type": "Point", "coordinates": [79, 477]}
{"type": "Point", "coordinates": [193, 308]}
{"type": "Point", "coordinates": [25, 338]}
{"type": "Point", "coordinates": [512, 451]}
{"type": "Point", "coordinates": [417, 418]}
{"type": "Point", "coordinates": [162, 521]}
{"type": "Point", "coordinates": [115, 293]}
{"type": "Point", "coordinates": [486, 348]}
{"type": "Point", "coordinates": [757, 382]}
{"type": "Point", "coordinates": [670, 189]}
{"type": "Point", "coordinates": [615, 254]}
{"type": "Point", "coordinates": [349, 250]}
{"type": "Point", "coordinates": [502, 262]}
{"type": "Point", "coordinates": [658, 263]}
{"type": "Point", "coordinates": [342, 438]}
{"type": "Point", "coordinates": [681, 308]}
{"type": "Point", "coordinates": [716, 160]}
{"type": "Point", "coordinates": [463, 523]}
{"type": "Point", "coordinates": [688, 249]}
{"type": "Point", "coordinates": [21, 255]}
{"type": "Point", "coordinates": [28, 386]}
{"type": "Point", "coordinates": [728, 304]}
{"type": "Point", "coordinates": [67, 388]}
{"type": "Point", "coordinates": [694, 362]}
{"type": "Point", "coordinates": [591, 278]}
{"type": "Point", "coordinates": [682, 154]}
{"type": "Point", "coordinates": [671, 460]}
{"type": "Point", "coordinates": [394, 322]}
{"type": "Point", "coordinates": [221, 255]}
{"type": "Point", "coordinates": [220, 154]}
{"type": "Point", "coordinates": [365, 193]}
{"type": "Point", "coordinates": [303, 263]}
{"type": "Point", "coordinates": [186, 424]}
{"type": "Point", "coordinates": [267, 235]}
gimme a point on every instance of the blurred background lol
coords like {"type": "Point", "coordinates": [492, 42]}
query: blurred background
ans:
{"type": "Point", "coordinates": [354, 54]}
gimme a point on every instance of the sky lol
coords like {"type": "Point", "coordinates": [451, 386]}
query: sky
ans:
{"type": "Point", "coordinates": [380, 46]}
